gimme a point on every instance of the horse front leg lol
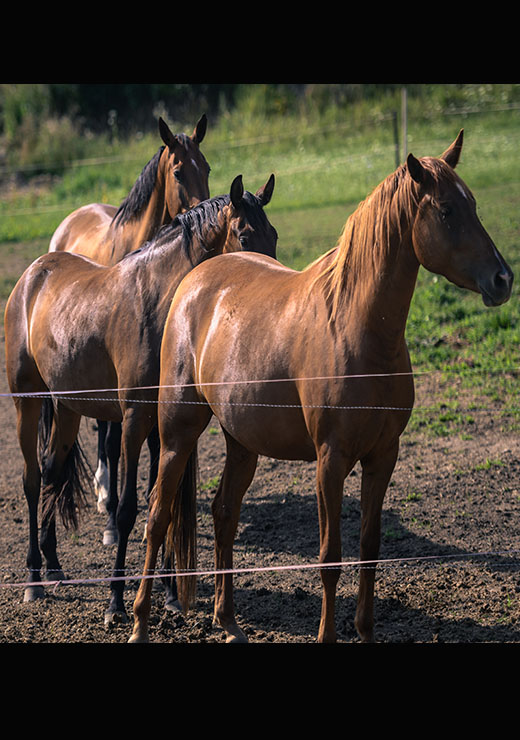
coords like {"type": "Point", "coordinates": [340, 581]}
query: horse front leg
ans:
{"type": "Point", "coordinates": [101, 479]}
{"type": "Point", "coordinates": [171, 468]}
{"type": "Point", "coordinates": [332, 469]}
{"type": "Point", "coordinates": [154, 448]}
{"type": "Point", "coordinates": [237, 476]}
{"type": "Point", "coordinates": [112, 444]}
{"type": "Point", "coordinates": [377, 471]}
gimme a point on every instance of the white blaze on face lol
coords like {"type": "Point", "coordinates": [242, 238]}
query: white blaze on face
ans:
{"type": "Point", "coordinates": [462, 190]}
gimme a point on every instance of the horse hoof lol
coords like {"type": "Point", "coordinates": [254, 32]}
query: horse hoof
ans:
{"type": "Point", "coordinates": [235, 635]}
{"type": "Point", "coordinates": [173, 605]}
{"type": "Point", "coordinates": [55, 575]}
{"type": "Point", "coordinates": [110, 537]}
{"type": "Point", "coordinates": [135, 638]}
{"type": "Point", "coordinates": [33, 593]}
{"type": "Point", "coordinates": [237, 638]}
{"type": "Point", "coordinates": [113, 618]}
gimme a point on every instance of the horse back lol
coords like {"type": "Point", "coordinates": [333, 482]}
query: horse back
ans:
{"type": "Point", "coordinates": [256, 342]}
{"type": "Point", "coordinates": [84, 232]}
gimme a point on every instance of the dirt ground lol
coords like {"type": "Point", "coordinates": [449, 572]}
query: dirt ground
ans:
{"type": "Point", "coordinates": [450, 570]}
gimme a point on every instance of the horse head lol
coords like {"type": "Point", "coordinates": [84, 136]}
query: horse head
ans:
{"type": "Point", "coordinates": [249, 229]}
{"type": "Point", "coordinates": [186, 171]}
{"type": "Point", "coordinates": [448, 237]}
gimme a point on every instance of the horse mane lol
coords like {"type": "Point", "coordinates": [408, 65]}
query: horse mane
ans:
{"type": "Point", "coordinates": [190, 226]}
{"type": "Point", "coordinates": [373, 229]}
{"type": "Point", "coordinates": [140, 193]}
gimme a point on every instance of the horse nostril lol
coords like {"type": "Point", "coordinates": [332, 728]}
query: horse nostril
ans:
{"type": "Point", "coordinates": [502, 280]}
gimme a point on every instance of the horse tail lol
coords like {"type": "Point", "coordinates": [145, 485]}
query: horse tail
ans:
{"type": "Point", "coordinates": [182, 532]}
{"type": "Point", "coordinates": [64, 490]}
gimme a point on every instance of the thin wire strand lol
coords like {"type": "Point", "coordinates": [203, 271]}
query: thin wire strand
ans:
{"type": "Point", "coordinates": [262, 569]}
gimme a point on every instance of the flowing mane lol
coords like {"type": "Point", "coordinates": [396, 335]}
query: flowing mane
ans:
{"type": "Point", "coordinates": [373, 229]}
{"type": "Point", "coordinates": [140, 193]}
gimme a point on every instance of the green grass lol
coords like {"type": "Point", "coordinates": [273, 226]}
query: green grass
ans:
{"type": "Point", "coordinates": [324, 167]}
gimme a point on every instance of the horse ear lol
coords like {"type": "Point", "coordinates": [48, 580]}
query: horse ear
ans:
{"type": "Point", "coordinates": [166, 135]}
{"type": "Point", "coordinates": [199, 131]}
{"type": "Point", "coordinates": [415, 168]}
{"type": "Point", "coordinates": [265, 193]}
{"type": "Point", "coordinates": [236, 191]}
{"type": "Point", "coordinates": [452, 154]}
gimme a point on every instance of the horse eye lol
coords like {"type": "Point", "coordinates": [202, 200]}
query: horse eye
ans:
{"type": "Point", "coordinates": [445, 212]}
{"type": "Point", "coordinates": [177, 174]}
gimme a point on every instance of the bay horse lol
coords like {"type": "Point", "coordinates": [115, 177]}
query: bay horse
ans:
{"type": "Point", "coordinates": [174, 180]}
{"type": "Point", "coordinates": [73, 328]}
{"type": "Point", "coordinates": [266, 350]}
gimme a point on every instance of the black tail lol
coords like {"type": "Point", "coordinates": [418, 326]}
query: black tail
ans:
{"type": "Point", "coordinates": [182, 533]}
{"type": "Point", "coordinates": [64, 491]}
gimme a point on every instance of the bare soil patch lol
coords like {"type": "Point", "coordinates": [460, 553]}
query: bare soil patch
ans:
{"type": "Point", "coordinates": [450, 544]}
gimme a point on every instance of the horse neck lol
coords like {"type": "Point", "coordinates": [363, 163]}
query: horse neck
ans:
{"type": "Point", "coordinates": [161, 267]}
{"type": "Point", "coordinates": [371, 289]}
{"type": "Point", "coordinates": [143, 226]}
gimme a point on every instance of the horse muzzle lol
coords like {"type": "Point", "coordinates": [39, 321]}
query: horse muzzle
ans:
{"type": "Point", "coordinates": [497, 290]}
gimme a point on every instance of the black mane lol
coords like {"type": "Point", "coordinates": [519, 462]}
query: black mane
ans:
{"type": "Point", "coordinates": [140, 193]}
{"type": "Point", "coordinates": [189, 226]}
{"type": "Point", "coordinates": [197, 222]}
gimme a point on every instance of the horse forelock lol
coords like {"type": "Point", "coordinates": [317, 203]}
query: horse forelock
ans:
{"type": "Point", "coordinates": [254, 211]}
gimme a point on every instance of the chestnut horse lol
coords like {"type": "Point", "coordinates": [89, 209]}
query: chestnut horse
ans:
{"type": "Point", "coordinates": [175, 179]}
{"type": "Point", "coordinates": [266, 349]}
{"type": "Point", "coordinates": [74, 327]}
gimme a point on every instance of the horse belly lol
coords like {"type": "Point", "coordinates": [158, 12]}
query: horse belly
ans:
{"type": "Point", "coordinates": [274, 432]}
{"type": "Point", "coordinates": [83, 388]}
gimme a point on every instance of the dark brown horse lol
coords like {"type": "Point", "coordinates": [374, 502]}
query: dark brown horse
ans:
{"type": "Point", "coordinates": [247, 318]}
{"type": "Point", "coordinates": [175, 179]}
{"type": "Point", "coordinates": [72, 325]}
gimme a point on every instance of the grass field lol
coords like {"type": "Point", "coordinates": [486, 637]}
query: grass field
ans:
{"type": "Point", "coordinates": [324, 168]}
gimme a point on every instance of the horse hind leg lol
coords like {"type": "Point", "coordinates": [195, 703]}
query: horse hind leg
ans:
{"type": "Point", "coordinates": [236, 478]}
{"type": "Point", "coordinates": [62, 480]}
{"type": "Point", "coordinates": [28, 415]}
{"type": "Point", "coordinates": [171, 472]}
{"type": "Point", "coordinates": [167, 584]}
